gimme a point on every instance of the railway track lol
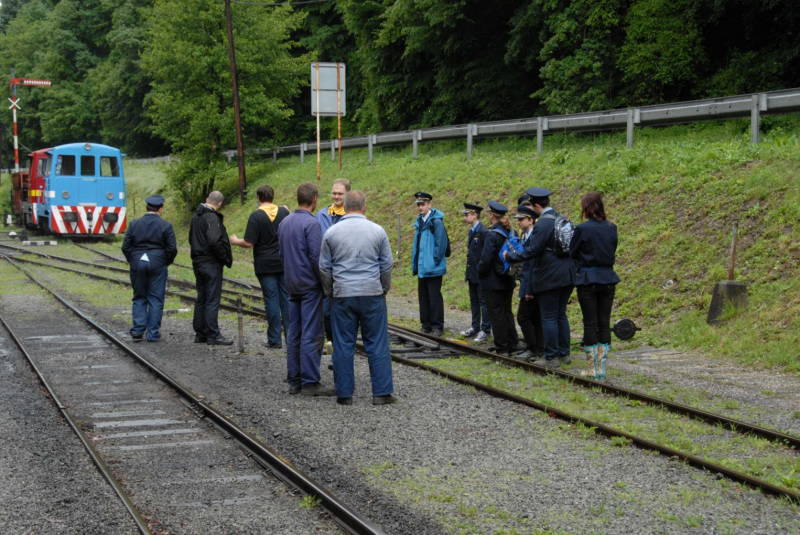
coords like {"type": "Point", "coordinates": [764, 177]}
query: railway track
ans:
{"type": "Point", "coordinates": [155, 432]}
{"type": "Point", "coordinates": [434, 347]}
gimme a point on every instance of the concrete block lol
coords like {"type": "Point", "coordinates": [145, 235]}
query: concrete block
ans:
{"type": "Point", "coordinates": [725, 292]}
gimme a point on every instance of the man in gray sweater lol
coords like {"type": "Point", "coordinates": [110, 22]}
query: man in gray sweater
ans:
{"type": "Point", "coordinates": [355, 266]}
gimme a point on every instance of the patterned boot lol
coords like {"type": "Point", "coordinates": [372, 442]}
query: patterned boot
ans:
{"type": "Point", "coordinates": [591, 358]}
{"type": "Point", "coordinates": [605, 349]}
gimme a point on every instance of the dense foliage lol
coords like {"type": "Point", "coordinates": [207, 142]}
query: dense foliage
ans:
{"type": "Point", "coordinates": [410, 63]}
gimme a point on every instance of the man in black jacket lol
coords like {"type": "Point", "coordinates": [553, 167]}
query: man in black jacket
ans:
{"type": "Point", "coordinates": [149, 247]}
{"type": "Point", "coordinates": [211, 250]}
{"type": "Point", "coordinates": [481, 328]}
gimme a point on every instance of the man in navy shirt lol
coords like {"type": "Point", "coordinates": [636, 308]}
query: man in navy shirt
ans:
{"type": "Point", "coordinates": [300, 239]}
{"type": "Point", "coordinates": [149, 247]}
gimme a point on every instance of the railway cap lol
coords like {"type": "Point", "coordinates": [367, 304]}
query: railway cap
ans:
{"type": "Point", "coordinates": [422, 197]}
{"type": "Point", "coordinates": [538, 192]}
{"type": "Point", "coordinates": [470, 208]}
{"type": "Point", "coordinates": [497, 208]}
{"type": "Point", "coordinates": [525, 211]}
{"type": "Point", "coordinates": [523, 199]}
{"type": "Point", "coordinates": [155, 200]}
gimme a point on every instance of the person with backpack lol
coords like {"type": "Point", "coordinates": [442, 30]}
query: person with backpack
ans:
{"type": "Point", "coordinates": [529, 316]}
{"type": "Point", "coordinates": [429, 263]}
{"type": "Point", "coordinates": [553, 275]}
{"type": "Point", "coordinates": [497, 282]}
{"type": "Point", "coordinates": [593, 247]}
{"type": "Point", "coordinates": [477, 234]}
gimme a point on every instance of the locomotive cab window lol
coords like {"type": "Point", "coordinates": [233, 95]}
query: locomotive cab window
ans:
{"type": "Point", "coordinates": [41, 168]}
{"type": "Point", "coordinates": [65, 165]}
{"type": "Point", "coordinates": [109, 166]}
{"type": "Point", "coordinates": [87, 166]}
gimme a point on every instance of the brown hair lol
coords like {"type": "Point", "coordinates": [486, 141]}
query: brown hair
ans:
{"type": "Point", "coordinates": [265, 193]}
{"type": "Point", "coordinates": [344, 182]}
{"type": "Point", "coordinates": [592, 207]}
{"type": "Point", "coordinates": [306, 193]}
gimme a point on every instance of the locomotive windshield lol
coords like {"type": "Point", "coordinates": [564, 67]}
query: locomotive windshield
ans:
{"type": "Point", "coordinates": [109, 166]}
{"type": "Point", "coordinates": [43, 169]}
{"type": "Point", "coordinates": [65, 165]}
{"type": "Point", "coordinates": [87, 166]}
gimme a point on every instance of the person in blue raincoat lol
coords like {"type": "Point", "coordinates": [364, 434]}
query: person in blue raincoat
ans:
{"type": "Point", "coordinates": [429, 263]}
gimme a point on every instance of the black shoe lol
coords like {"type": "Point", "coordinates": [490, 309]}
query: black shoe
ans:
{"type": "Point", "coordinates": [200, 339]}
{"type": "Point", "coordinates": [426, 331]}
{"type": "Point", "coordinates": [385, 400]}
{"type": "Point", "coordinates": [154, 341]}
{"type": "Point", "coordinates": [270, 345]}
{"type": "Point", "coordinates": [317, 390]}
{"type": "Point", "coordinates": [294, 390]}
{"type": "Point", "coordinates": [137, 336]}
{"type": "Point", "coordinates": [219, 341]}
{"type": "Point", "coordinates": [549, 363]}
{"type": "Point", "coordinates": [344, 401]}
{"type": "Point", "coordinates": [437, 332]}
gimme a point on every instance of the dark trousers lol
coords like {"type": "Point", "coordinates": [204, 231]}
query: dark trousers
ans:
{"type": "Point", "coordinates": [596, 301]}
{"type": "Point", "coordinates": [502, 317]}
{"type": "Point", "coordinates": [431, 303]}
{"type": "Point", "coordinates": [553, 305]}
{"type": "Point", "coordinates": [149, 286]}
{"type": "Point", "coordinates": [208, 278]}
{"type": "Point", "coordinates": [480, 314]}
{"type": "Point", "coordinates": [529, 317]}
{"type": "Point", "coordinates": [276, 305]}
{"type": "Point", "coordinates": [326, 312]}
{"type": "Point", "coordinates": [304, 338]}
{"type": "Point", "coordinates": [348, 313]}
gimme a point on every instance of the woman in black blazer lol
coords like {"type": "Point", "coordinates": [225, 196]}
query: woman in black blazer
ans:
{"type": "Point", "coordinates": [593, 248]}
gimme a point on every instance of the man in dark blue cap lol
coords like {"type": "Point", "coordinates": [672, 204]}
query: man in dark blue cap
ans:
{"type": "Point", "coordinates": [429, 263]}
{"type": "Point", "coordinates": [149, 247]}
{"type": "Point", "coordinates": [553, 279]}
{"type": "Point", "coordinates": [529, 317]}
{"type": "Point", "coordinates": [477, 234]}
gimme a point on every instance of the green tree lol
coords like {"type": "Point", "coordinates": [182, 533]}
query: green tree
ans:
{"type": "Point", "coordinates": [191, 102]}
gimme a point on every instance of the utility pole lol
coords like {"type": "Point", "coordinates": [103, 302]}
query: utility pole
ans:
{"type": "Point", "coordinates": [238, 117]}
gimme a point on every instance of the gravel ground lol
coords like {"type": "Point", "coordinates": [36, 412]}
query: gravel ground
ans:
{"type": "Point", "coordinates": [450, 460]}
{"type": "Point", "coordinates": [49, 484]}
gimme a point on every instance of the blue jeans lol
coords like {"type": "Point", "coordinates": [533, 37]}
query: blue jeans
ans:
{"type": "Point", "coordinates": [304, 338]}
{"type": "Point", "coordinates": [480, 314]}
{"type": "Point", "coordinates": [208, 278]}
{"type": "Point", "coordinates": [276, 305]}
{"type": "Point", "coordinates": [369, 312]}
{"type": "Point", "coordinates": [555, 325]}
{"type": "Point", "coordinates": [149, 286]}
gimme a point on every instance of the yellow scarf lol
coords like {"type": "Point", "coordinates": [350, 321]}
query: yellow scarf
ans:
{"type": "Point", "coordinates": [270, 209]}
{"type": "Point", "coordinates": [332, 210]}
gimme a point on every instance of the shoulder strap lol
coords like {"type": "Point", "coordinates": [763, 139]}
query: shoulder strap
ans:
{"type": "Point", "coordinates": [501, 232]}
{"type": "Point", "coordinates": [549, 215]}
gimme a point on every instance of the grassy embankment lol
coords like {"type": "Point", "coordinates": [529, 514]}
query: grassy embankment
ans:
{"type": "Point", "coordinates": [674, 196]}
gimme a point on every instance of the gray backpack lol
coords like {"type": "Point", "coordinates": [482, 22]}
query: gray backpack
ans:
{"type": "Point", "coordinates": [563, 229]}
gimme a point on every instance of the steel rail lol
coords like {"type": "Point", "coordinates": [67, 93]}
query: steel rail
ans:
{"type": "Point", "coordinates": [176, 282]}
{"type": "Point", "coordinates": [349, 519]}
{"type": "Point", "coordinates": [678, 408]}
{"type": "Point", "coordinates": [250, 311]}
{"type": "Point", "coordinates": [698, 462]}
{"type": "Point", "coordinates": [98, 461]}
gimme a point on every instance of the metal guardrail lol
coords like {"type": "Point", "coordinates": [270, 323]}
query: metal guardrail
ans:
{"type": "Point", "coordinates": [734, 107]}
{"type": "Point", "coordinates": [159, 159]}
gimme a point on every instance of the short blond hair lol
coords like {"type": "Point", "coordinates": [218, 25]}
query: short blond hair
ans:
{"type": "Point", "coordinates": [344, 182]}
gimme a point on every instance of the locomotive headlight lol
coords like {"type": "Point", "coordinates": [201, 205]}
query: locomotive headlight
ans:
{"type": "Point", "coordinates": [65, 194]}
{"type": "Point", "coordinates": [109, 195]}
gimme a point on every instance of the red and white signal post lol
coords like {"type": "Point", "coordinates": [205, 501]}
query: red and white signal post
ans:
{"type": "Point", "coordinates": [15, 106]}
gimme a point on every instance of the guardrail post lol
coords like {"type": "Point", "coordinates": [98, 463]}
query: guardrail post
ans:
{"type": "Point", "coordinates": [416, 144]}
{"type": "Point", "coordinates": [540, 134]}
{"type": "Point", "coordinates": [630, 128]}
{"type": "Point", "coordinates": [755, 119]}
{"type": "Point", "coordinates": [275, 158]}
{"type": "Point", "coordinates": [302, 153]}
{"type": "Point", "coordinates": [469, 139]}
{"type": "Point", "coordinates": [369, 146]}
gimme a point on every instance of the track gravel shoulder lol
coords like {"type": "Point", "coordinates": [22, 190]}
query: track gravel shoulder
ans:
{"type": "Point", "coordinates": [450, 460]}
{"type": "Point", "coordinates": [49, 484]}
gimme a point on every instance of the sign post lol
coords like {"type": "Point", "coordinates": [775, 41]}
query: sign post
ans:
{"type": "Point", "coordinates": [328, 99]}
{"type": "Point", "coordinates": [15, 106]}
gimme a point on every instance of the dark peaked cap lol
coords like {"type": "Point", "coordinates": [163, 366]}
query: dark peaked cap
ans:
{"type": "Point", "coordinates": [538, 192]}
{"type": "Point", "coordinates": [525, 211]}
{"type": "Point", "coordinates": [498, 208]}
{"type": "Point", "coordinates": [422, 197]}
{"type": "Point", "coordinates": [469, 208]}
{"type": "Point", "coordinates": [155, 200]}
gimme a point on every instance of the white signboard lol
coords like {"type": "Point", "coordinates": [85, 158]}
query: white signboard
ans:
{"type": "Point", "coordinates": [327, 89]}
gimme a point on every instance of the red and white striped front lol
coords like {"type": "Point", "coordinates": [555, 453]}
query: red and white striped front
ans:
{"type": "Point", "coordinates": [96, 226]}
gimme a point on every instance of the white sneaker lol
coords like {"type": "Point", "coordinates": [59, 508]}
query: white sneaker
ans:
{"type": "Point", "coordinates": [482, 336]}
{"type": "Point", "coordinates": [468, 332]}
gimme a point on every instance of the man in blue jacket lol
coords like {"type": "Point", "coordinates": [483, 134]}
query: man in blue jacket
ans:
{"type": "Point", "coordinates": [149, 247]}
{"type": "Point", "coordinates": [554, 279]}
{"type": "Point", "coordinates": [300, 239]}
{"type": "Point", "coordinates": [429, 264]}
{"type": "Point", "coordinates": [327, 217]}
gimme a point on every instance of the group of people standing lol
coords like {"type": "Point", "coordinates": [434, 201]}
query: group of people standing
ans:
{"type": "Point", "coordinates": [551, 269]}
